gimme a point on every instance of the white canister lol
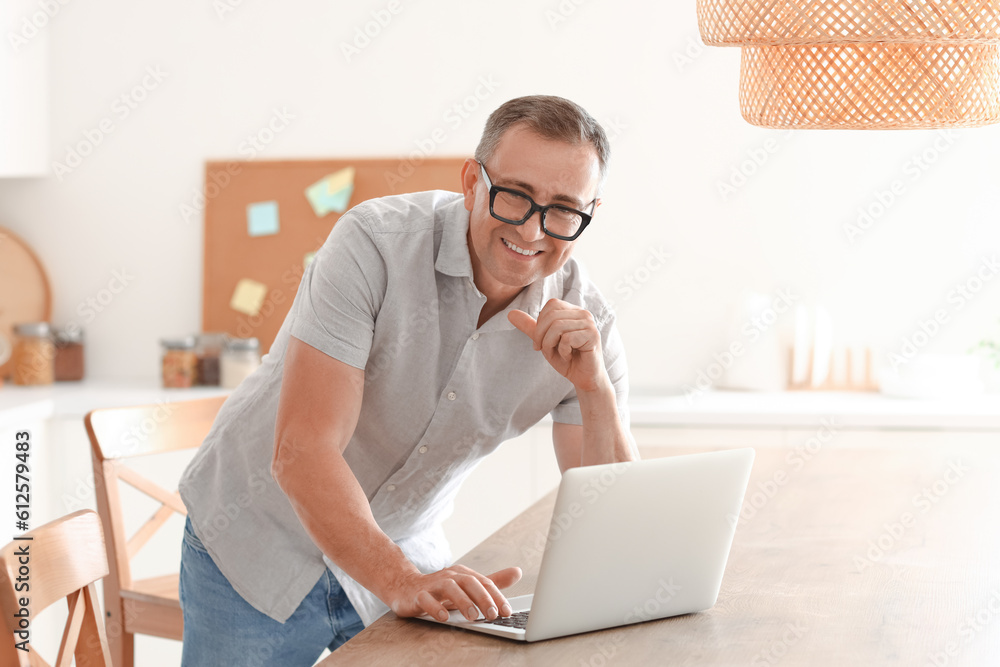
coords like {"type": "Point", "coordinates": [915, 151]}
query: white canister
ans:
{"type": "Point", "coordinates": [240, 358]}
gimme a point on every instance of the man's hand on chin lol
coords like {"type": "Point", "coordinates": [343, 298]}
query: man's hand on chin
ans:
{"type": "Point", "coordinates": [568, 338]}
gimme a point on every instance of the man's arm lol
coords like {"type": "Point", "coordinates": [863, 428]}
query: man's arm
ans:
{"type": "Point", "coordinates": [568, 338]}
{"type": "Point", "coordinates": [317, 413]}
{"type": "Point", "coordinates": [603, 440]}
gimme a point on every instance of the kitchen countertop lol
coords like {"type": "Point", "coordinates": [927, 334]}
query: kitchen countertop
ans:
{"type": "Point", "coordinates": [858, 410]}
{"type": "Point", "coordinates": [714, 409]}
{"type": "Point", "coordinates": [19, 405]}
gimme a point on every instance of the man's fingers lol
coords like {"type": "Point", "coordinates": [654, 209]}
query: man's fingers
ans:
{"type": "Point", "coordinates": [573, 332]}
{"type": "Point", "coordinates": [431, 606]}
{"type": "Point", "coordinates": [523, 322]}
{"type": "Point", "coordinates": [465, 600]}
{"type": "Point", "coordinates": [464, 589]}
{"type": "Point", "coordinates": [560, 317]}
{"type": "Point", "coordinates": [506, 577]}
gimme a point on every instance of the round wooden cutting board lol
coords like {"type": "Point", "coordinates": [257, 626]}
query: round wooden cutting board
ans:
{"type": "Point", "coordinates": [24, 292]}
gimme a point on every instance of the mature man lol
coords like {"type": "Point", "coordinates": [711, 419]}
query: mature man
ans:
{"type": "Point", "coordinates": [429, 328]}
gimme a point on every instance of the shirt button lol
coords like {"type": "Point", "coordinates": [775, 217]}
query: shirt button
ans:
{"type": "Point", "coordinates": [391, 487]}
{"type": "Point", "coordinates": [452, 396]}
{"type": "Point", "coordinates": [423, 450]}
{"type": "Point", "coordinates": [475, 336]}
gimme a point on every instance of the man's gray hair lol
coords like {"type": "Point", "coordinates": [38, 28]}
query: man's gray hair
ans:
{"type": "Point", "coordinates": [550, 117]}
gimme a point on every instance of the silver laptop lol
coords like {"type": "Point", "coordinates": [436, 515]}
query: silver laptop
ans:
{"type": "Point", "coordinates": [630, 542]}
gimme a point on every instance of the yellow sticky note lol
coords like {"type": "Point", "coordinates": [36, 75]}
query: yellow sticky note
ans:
{"type": "Point", "coordinates": [332, 192]}
{"type": "Point", "coordinates": [340, 180]}
{"type": "Point", "coordinates": [248, 296]}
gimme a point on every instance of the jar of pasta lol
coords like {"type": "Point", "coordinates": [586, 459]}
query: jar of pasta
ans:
{"type": "Point", "coordinates": [34, 354]}
{"type": "Point", "coordinates": [179, 362]}
{"type": "Point", "coordinates": [240, 358]}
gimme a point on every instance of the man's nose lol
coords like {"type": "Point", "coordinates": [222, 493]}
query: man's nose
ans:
{"type": "Point", "coordinates": [531, 229]}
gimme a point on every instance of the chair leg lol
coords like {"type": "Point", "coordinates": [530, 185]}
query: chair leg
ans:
{"type": "Point", "coordinates": [122, 645]}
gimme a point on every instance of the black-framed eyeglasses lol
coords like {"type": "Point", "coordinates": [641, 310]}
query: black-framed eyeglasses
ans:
{"type": "Point", "coordinates": [515, 207]}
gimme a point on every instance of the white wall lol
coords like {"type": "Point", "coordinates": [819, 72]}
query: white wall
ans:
{"type": "Point", "coordinates": [679, 136]}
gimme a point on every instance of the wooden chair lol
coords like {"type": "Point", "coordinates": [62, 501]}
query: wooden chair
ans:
{"type": "Point", "coordinates": [65, 557]}
{"type": "Point", "coordinates": [146, 606]}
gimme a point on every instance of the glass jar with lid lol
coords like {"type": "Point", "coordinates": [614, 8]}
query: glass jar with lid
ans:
{"type": "Point", "coordinates": [33, 354]}
{"type": "Point", "coordinates": [179, 362]}
{"type": "Point", "coordinates": [69, 354]}
{"type": "Point", "coordinates": [240, 358]}
{"type": "Point", "coordinates": [209, 353]}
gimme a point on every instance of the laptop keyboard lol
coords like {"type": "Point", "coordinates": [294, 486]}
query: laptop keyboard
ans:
{"type": "Point", "coordinates": [517, 620]}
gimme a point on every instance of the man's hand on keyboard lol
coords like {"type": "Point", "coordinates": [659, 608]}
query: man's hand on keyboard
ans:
{"type": "Point", "coordinates": [456, 587]}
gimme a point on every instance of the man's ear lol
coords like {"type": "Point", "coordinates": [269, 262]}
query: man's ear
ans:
{"type": "Point", "coordinates": [470, 176]}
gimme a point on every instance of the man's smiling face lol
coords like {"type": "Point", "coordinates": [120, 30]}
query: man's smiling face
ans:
{"type": "Point", "coordinates": [507, 257]}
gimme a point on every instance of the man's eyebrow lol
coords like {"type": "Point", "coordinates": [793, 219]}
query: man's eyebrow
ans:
{"type": "Point", "coordinates": [566, 199]}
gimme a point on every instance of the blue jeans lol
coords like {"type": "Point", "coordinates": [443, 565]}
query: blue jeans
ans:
{"type": "Point", "coordinates": [221, 628]}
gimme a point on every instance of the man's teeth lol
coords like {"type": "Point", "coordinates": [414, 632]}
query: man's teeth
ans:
{"type": "Point", "coordinates": [513, 247]}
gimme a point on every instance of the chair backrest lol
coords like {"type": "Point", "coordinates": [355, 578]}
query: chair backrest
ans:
{"type": "Point", "coordinates": [117, 434]}
{"type": "Point", "coordinates": [61, 559]}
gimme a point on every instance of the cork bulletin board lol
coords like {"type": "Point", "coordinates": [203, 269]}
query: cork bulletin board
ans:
{"type": "Point", "coordinates": [269, 251]}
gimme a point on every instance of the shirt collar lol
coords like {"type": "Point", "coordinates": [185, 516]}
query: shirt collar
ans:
{"type": "Point", "coordinates": [453, 253]}
{"type": "Point", "coordinates": [453, 260]}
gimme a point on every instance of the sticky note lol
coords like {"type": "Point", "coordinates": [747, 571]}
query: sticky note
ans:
{"type": "Point", "coordinates": [307, 259]}
{"type": "Point", "coordinates": [262, 218]}
{"type": "Point", "coordinates": [340, 180]}
{"type": "Point", "coordinates": [248, 296]}
{"type": "Point", "coordinates": [332, 192]}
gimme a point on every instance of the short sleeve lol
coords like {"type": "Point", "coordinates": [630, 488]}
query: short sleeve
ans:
{"type": "Point", "coordinates": [341, 292]}
{"type": "Point", "coordinates": [568, 411]}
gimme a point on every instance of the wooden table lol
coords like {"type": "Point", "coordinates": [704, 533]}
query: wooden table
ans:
{"type": "Point", "coordinates": [841, 557]}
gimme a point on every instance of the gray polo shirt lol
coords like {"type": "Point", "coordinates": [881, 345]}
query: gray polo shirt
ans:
{"type": "Point", "coordinates": [391, 292]}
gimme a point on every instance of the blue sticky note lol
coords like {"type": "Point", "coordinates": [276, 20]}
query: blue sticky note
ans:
{"type": "Point", "coordinates": [262, 218]}
{"type": "Point", "coordinates": [339, 200]}
{"type": "Point", "coordinates": [332, 192]}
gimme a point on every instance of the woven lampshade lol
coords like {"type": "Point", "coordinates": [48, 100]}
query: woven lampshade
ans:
{"type": "Point", "coordinates": [880, 86]}
{"type": "Point", "coordinates": [774, 22]}
{"type": "Point", "coordinates": [914, 64]}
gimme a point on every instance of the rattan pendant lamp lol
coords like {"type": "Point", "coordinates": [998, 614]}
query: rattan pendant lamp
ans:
{"type": "Point", "coordinates": [854, 64]}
